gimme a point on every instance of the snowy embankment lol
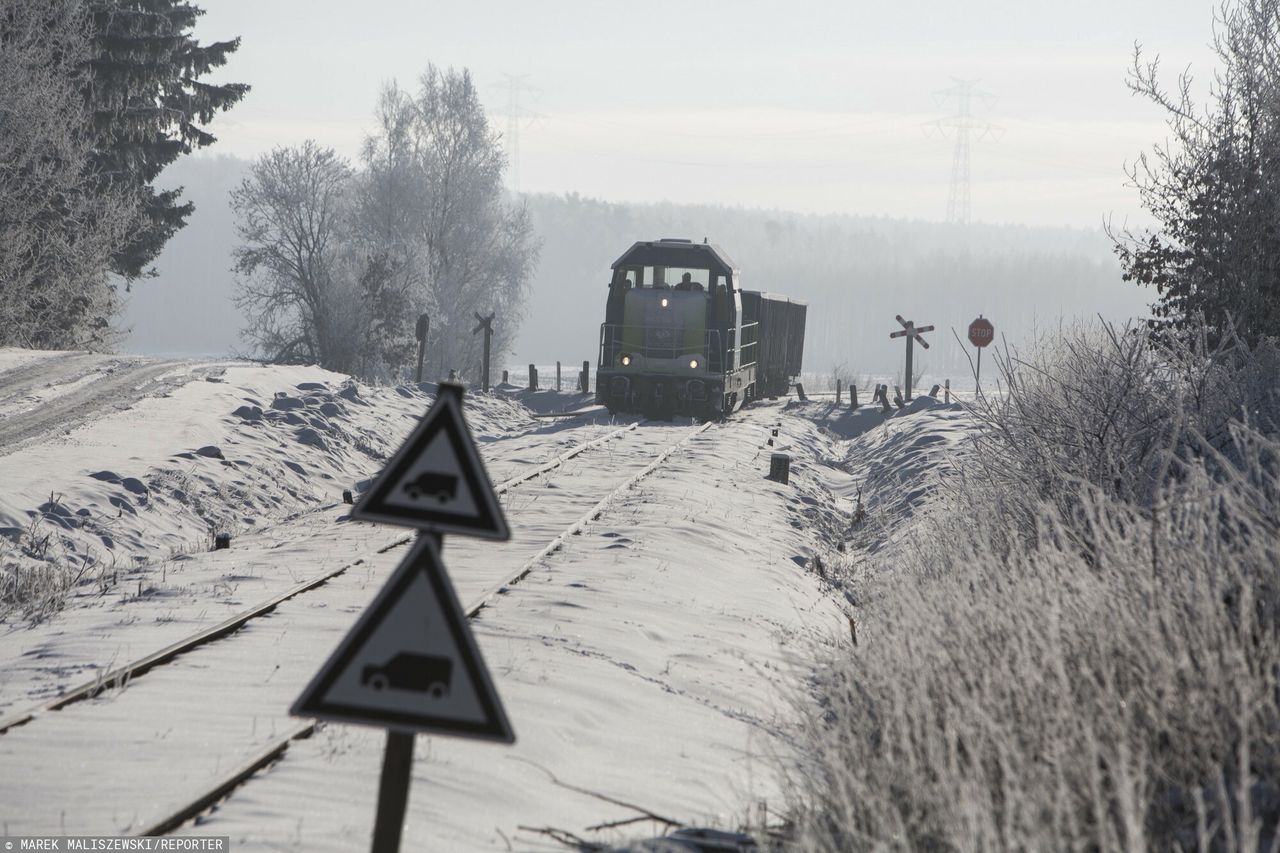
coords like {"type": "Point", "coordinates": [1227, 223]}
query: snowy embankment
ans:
{"type": "Point", "coordinates": [648, 662]}
{"type": "Point", "coordinates": [124, 477]}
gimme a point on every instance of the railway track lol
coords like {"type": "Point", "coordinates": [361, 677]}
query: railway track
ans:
{"type": "Point", "coordinates": [259, 619]}
{"type": "Point", "coordinates": [121, 675]}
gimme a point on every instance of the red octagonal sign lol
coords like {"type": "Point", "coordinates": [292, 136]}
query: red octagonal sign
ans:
{"type": "Point", "coordinates": [981, 332]}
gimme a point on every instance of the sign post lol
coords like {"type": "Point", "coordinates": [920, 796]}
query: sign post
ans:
{"type": "Point", "coordinates": [912, 333]}
{"type": "Point", "coordinates": [410, 664]}
{"type": "Point", "coordinates": [981, 333]}
{"type": "Point", "coordinates": [484, 324]}
{"type": "Point", "coordinates": [424, 326]}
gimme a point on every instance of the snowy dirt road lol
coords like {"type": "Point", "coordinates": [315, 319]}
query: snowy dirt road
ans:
{"type": "Point", "coordinates": [63, 392]}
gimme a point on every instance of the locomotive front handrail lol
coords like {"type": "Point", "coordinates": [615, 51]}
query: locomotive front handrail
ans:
{"type": "Point", "coordinates": [613, 340]}
{"type": "Point", "coordinates": [613, 343]}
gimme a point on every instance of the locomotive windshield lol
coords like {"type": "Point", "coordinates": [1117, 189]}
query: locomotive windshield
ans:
{"type": "Point", "coordinates": [668, 278]}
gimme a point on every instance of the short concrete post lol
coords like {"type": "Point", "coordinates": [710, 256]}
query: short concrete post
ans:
{"type": "Point", "coordinates": [947, 392]}
{"type": "Point", "coordinates": [883, 392]}
{"type": "Point", "coordinates": [504, 377]}
{"type": "Point", "coordinates": [897, 397]}
{"type": "Point", "coordinates": [780, 468]}
{"type": "Point", "coordinates": [586, 377]}
{"type": "Point", "coordinates": [933, 392]}
{"type": "Point", "coordinates": [853, 397]}
{"type": "Point", "coordinates": [557, 376]}
{"type": "Point", "coordinates": [533, 377]}
{"type": "Point", "coordinates": [837, 391]}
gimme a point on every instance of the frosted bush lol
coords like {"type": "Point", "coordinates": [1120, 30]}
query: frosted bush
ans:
{"type": "Point", "coordinates": [1095, 663]}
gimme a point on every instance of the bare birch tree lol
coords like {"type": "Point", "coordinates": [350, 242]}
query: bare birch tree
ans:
{"type": "Point", "coordinates": [294, 264]}
{"type": "Point", "coordinates": [335, 265]}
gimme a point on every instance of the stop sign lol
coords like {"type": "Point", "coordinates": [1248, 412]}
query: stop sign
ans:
{"type": "Point", "coordinates": [981, 332]}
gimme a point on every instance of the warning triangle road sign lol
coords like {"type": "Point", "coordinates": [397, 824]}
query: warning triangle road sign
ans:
{"type": "Point", "coordinates": [411, 662]}
{"type": "Point", "coordinates": [436, 480]}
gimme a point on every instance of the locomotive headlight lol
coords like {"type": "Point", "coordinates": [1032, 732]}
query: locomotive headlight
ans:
{"type": "Point", "coordinates": [693, 363]}
{"type": "Point", "coordinates": [665, 302]}
{"type": "Point", "coordinates": [626, 360]}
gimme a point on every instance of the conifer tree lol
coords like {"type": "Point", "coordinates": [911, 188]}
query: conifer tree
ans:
{"type": "Point", "coordinates": [148, 105]}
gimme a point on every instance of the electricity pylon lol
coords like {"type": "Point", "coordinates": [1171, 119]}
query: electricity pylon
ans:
{"type": "Point", "coordinates": [965, 126]}
{"type": "Point", "coordinates": [515, 113]}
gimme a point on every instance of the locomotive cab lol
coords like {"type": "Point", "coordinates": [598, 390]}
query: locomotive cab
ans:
{"type": "Point", "coordinates": [673, 341]}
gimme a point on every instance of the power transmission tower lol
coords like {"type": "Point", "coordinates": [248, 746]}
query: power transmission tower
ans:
{"type": "Point", "coordinates": [965, 127]}
{"type": "Point", "coordinates": [515, 114]}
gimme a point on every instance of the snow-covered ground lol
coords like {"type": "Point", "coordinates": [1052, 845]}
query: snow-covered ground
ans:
{"type": "Point", "coordinates": [646, 662]}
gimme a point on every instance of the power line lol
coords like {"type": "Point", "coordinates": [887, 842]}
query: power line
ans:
{"type": "Point", "coordinates": [964, 125]}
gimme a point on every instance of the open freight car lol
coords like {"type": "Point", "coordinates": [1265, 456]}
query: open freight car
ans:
{"type": "Point", "coordinates": [680, 336]}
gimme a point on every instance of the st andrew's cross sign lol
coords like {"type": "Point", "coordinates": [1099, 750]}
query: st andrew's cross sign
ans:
{"type": "Point", "coordinates": [912, 333]}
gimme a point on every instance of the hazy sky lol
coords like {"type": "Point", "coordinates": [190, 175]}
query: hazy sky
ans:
{"type": "Point", "coordinates": [809, 106]}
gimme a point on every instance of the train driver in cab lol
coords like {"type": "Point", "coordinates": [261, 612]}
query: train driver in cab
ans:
{"type": "Point", "coordinates": [687, 283]}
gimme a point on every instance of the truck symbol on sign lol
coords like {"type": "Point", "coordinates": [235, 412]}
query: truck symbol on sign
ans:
{"type": "Point", "coordinates": [443, 486]}
{"type": "Point", "coordinates": [409, 671]}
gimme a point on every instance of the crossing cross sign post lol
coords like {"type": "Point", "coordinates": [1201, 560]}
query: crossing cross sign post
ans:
{"type": "Point", "coordinates": [912, 333]}
{"type": "Point", "coordinates": [411, 664]}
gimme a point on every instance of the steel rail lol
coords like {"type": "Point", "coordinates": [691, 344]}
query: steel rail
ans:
{"type": "Point", "coordinates": [276, 750]}
{"type": "Point", "coordinates": [127, 672]}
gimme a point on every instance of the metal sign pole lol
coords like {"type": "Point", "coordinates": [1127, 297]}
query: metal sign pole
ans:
{"type": "Point", "coordinates": [981, 333]}
{"type": "Point", "coordinates": [393, 791]}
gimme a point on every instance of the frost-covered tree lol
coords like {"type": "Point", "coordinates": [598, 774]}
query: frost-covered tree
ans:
{"type": "Point", "coordinates": [148, 104]}
{"type": "Point", "coordinates": [335, 264]}
{"type": "Point", "coordinates": [433, 200]}
{"type": "Point", "coordinates": [1214, 189]}
{"type": "Point", "coordinates": [58, 231]}
{"type": "Point", "coordinates": [293, 265]}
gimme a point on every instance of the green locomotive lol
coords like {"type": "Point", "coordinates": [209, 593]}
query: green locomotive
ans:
{"type": "Point", "coordinates": [681, 337]}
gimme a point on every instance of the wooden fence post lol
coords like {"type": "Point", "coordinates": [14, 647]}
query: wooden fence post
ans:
{"type": "Point", "coordinates": [837, 391]}
{"type": "Point", "coordinates": [853, 397]}
{"type": "Point", "coordinates": [586, 377]}
{"type": "Point", "coordinates": [533, 377]}
{"type": "Point", "coordinates": [947, 393]}
{"type": "Point", "coordinates": [882, 391]}
{"type": "Point", "coordinates": [557, 376]}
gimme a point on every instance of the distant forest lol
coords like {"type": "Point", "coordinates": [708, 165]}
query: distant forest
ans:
{"type": "Point", "coordinates": [855, 272]}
